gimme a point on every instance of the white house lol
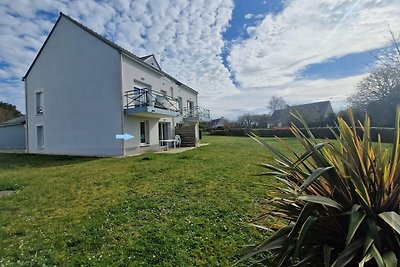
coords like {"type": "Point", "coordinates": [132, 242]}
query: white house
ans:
{"type": "Point", "coordinates": [12, 134]}
{"type": "Point", "coordinates": [82, 90]}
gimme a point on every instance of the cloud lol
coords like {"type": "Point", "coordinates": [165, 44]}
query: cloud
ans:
{"type": "Point", "coordinates": [255, 99]}
{"type": "Point", "coordinates": [304, 33]}
{"type": "Point", "coordinates": [185, 35]}
{"type": "Point", "coordinates": [187, 38]}
{"type": "Point", "coordinates": [251, 16]}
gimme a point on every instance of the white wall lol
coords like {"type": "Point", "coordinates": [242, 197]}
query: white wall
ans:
{"type": "Point", "coordinates": [80, 78]}
{"type": "Point", "coordinates": [13, 136]}
{"type": "Point", "coordinates": [152, 62]}
{"type": "Point", "coordinates": [132, 126]}
{"type": "Point", "coordinates": [133, 71]}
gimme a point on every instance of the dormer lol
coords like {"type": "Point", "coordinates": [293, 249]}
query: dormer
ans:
{"type": "Point", "coordinates": [152, 61]}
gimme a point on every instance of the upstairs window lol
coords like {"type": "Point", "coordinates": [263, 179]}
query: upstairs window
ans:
{"type": "Point", "coordinates": [39, 103]}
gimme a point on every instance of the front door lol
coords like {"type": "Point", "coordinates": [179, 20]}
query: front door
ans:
{"type": "Point", "coordinates": [164, 130]}
{"type": "Point", "coordinates": [144, 133]}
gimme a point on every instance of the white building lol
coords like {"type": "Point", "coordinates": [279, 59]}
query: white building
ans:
{"type": "Point", "coordinates": [82, 90]}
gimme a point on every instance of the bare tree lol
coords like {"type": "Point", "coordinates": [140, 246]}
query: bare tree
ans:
{"type": "Point", "coordinates": [378, 85]}
{"type": "Point", "coordinates": [246, 120]}
{"type": "Point", "coordinates": [389, 57]}
{"type": "Point", "coordinates": [380, 89]}
{"type": "Point", "coordinates": [261, 120]}
{"type": "Point", "coordinates": [276, 102]}
{"type": "Point", "coordinates": [8, 111]}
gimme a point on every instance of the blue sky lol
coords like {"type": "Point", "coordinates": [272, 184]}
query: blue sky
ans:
{"type": "Point", "coordinates": [246, 14]}
{"type": "Point", "coordinates": [237, 54]}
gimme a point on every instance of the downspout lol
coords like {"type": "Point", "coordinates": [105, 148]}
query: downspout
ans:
{"type": "Point", "coordinates": [122, 103]}
{"type": "Point", "coordinates": [26, 117]}
{"type": "Point", "coordinates": [173, 118]}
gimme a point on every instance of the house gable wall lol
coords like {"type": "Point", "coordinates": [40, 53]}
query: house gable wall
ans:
{"type": "Point", "coordinates": [135, 74]}
{"type": "Point", "coordinates": [80, 78]}
{"type": "Point", "coordinates": [152, 62]}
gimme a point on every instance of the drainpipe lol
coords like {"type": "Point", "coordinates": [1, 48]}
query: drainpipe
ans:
{"type": "Point", "coordinates": [26, 118]}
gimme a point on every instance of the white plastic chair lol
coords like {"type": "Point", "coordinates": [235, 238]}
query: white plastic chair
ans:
{"type": "Point", "coordinates": [178, 140]}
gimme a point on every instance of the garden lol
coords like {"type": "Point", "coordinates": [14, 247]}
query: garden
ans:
{"type": "Point", "coordinates": [187, 209]}
{"type": "Point", "coordinates": [311, 202]}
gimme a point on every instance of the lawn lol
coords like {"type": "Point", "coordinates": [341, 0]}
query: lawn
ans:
{"type": "Point", "coordinates": [187, 209]}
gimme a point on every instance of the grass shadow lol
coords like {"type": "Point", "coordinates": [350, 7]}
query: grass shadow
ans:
{"type": "Point", "coordinates": [10, 161]}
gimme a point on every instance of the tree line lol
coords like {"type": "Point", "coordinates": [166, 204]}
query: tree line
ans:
{"type": "Point", "coordinates": [377, 95]}
{"type": "Point", "coordinates": [8, 111]}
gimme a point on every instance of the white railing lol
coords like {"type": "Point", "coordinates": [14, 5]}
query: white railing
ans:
{"type": "Point", "coordinates": [196, 113]}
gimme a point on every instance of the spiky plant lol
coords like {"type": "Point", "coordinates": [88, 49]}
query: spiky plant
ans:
{"type": "Point", "coordinates": [339, 200]}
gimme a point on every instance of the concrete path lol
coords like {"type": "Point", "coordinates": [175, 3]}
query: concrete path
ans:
{"type": "Point", "coordinates": [179, 149]}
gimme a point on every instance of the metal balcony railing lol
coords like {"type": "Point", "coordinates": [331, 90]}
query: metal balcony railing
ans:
{"type": "Point", "coordinates": [143, 97]}
{"type": "Point", "coordinates": [196, 113]}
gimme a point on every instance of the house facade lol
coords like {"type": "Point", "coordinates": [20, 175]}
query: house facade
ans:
{"type": "Point", "coordinates": [315, 114]}
{"type": "Point", "coordinates": [82, 90]}
{"type": "Point", "coordinates": [218, 124]}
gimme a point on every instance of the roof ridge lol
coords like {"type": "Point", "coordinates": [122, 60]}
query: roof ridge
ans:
{"type": "Point", "coordinates": [312, 103]}
{"type": "Point", "coordinates": [146, 57]}
{"type": "Point", "coordinates": [15, 121]}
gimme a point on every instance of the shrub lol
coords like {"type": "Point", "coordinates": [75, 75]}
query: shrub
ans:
{"type": "Point", "coordinates": [386, 134]}
{"type": "Point", "coordinates": [340, 200]}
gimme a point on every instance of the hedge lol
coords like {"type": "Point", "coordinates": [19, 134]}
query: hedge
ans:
{"type": "Point", "coordinates": [387, 134]}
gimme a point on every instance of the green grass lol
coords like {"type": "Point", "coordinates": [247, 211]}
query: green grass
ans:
{"type": "Point", "coordinates": [187, 209]}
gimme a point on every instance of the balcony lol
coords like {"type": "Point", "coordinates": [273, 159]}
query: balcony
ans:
{"type": "Point", "coordinates": [196, 114]}
{"type": "Point", "coordinates": [148, 103]}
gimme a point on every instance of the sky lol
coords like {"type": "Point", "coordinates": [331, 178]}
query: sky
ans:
{"type": "Point", "coordinates": [235, 53]}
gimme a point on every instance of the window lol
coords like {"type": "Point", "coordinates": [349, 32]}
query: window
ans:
{"type": "Point", "coordinates": [190, 107]}
{"type": "Point", "coordinates": [144, 133]}
{"type": "Point", "coordinates": [40, 137]}
{"type": "Point", "coordinates": [164, 93]}
{"type": "Point", "coordinates": [39, 103]}
{"type": "Point", "coordinates": [164, 130]}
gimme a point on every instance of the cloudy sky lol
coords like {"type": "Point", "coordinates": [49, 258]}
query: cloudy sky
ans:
{"type": "Point", "coordinates": [236, 53]}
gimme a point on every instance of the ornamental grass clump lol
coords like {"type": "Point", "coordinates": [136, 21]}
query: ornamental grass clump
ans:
{"type": "Point", "coordinates": [337, 203]}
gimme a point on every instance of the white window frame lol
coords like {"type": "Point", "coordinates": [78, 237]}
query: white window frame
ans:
{"type": "Point", "coordinates": [41, 100]}
{"type": "Point", "coordinates": [37, 137]}
{"type": "Point", "coordinates": [146, 133]}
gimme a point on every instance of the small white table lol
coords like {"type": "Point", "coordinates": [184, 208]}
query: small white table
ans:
{"type": "Point", "coordinates": [165, 142]}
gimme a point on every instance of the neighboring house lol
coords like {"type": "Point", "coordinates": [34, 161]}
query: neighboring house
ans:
{"type": "Point", "coordinates": [82, 90]}
{"type": "Point", "coordinates": [12, 134]}
{"type": "Point", "coordinates": [218, 124]}
{"type": "Point", "coordinates": [312, 113]}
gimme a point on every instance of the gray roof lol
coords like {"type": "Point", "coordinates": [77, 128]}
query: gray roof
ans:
{"type": "Point", "coordinates": [16, 121]}
{"type": "Point", "coordinates": [215, 122]}
{"type": "Point", "coordinates": [310, 112]}
{"type": "Point", "coordinates": [146, 57]}
{"type": "Point", "coordinates": [280, 115]}
{"type": "Point", "coordinates": [110, 43]}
